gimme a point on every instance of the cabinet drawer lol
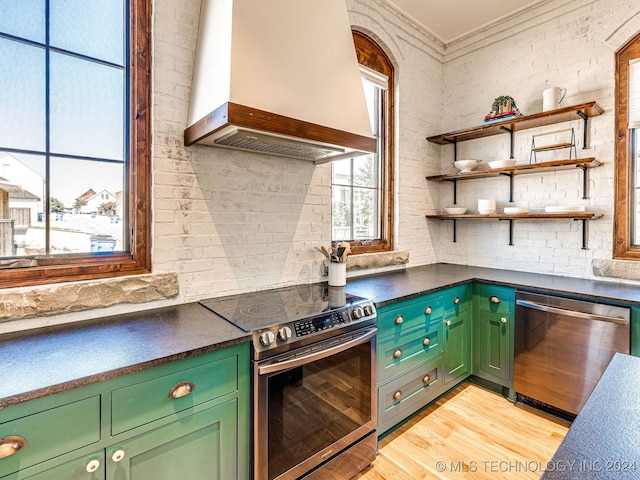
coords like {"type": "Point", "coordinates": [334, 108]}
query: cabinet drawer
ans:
{"type": "Point", "coordinates": [51, 433]}
{"type": "Point", "coordinates": [495, 299]}
{"type": "Point", "coordinates": [456, 299]}
{"type": "Point", "coordinates": [403, 396]}
{"type": "Point", "coordinates": [415, 346]}
{"type": "Point", "coordinates": [150, 400]}
{"type": "Point", "coordinates": [408, 315]}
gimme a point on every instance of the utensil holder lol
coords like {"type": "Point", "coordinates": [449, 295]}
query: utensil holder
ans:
{"type": "Point", "coordinates": [337, 274]}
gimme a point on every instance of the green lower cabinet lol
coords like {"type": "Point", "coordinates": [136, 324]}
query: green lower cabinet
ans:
{"type": "Point", "coordinates": [493, 326]}
{"type": "Point", "coordinates": [199, 446]}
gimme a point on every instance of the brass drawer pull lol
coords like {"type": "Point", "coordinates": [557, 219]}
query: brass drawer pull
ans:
{"type": "Point", "coordinates": [92, 466]}
{"type": "Point", "coordinates": [397, 353]}
{"type": "Point", "coordinates": [398, 395]}
{"type": "Point", "coordinates": [447, 323]}
{"type": "Point", "coordinates": [503, 319]}
{"type": "Point", "coordinates": [494, 299]}
{"type": "Point", "coordinates": [426, 341]}
{"type": "Point", "coordinates": [428, 310]}
{"type": "Point", "coordinates": [181, 389]}
{"type": "Point", "coordinates": [399, 319]}
{"type": "Point", "coordinates": [427, 379]}
{"type": "Point", "coordinates": [117, 456]}
{"type": "Point", "coordinates": [456, 300]}
{"type": "Point", "coordinates": [10, 445]}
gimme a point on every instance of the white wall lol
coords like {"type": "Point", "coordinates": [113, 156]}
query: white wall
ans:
{"type": "Point", "coordinates": [569, 44]}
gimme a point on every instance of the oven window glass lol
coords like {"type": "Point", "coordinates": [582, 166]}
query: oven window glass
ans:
{"type": "Point", "coordinates": [315, 405]}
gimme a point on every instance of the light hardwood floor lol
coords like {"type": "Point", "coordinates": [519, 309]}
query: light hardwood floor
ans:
{"type": "Point", "coordinates": [470, 433]}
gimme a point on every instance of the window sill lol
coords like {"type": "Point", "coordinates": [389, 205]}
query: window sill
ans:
{"type": "Point", "coordinates": [623, 269]}
{"type": "Point", "coordinates": [378, 260]}
{"type": "Point", "coordinates": [47, 300]}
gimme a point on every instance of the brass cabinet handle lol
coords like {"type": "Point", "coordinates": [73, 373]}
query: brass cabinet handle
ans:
{"type": "Point", "coordinates": [398, 395]}
{"type": "Point", "coordinates": [447, 322]}
{"type": "Point", "coordinates": [494, 299]}
{"type": "Point", "coordinates": [399, 319]}
{"type": "Point", "coordinates": [503, 319]}
{"type": "Point", "coordinates": [456, 300]}
{"type": "Point", "coordinates": [181, 389]}
{"type": "Point", "coordinates": [397, 353]}
{"type": "Point", "coordinates": [428, 310]}
{"type": "Point", "coordinates": [426, 379]}
{"type": "Point", "coordinates": [426, 341]}
{"type": "Point", "coordinates": [10, 445]}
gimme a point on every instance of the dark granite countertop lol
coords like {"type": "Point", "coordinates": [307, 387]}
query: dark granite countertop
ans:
{"type": "Point", "coordinates": [387, 288]}
{"type": "Point", "coordinates": [604, 439]}
{"type": "Point", "coordinates": [49, 360]}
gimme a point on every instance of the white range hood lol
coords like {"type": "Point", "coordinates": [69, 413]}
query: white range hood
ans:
{"type": "Point", "coordinates": [279, 77]}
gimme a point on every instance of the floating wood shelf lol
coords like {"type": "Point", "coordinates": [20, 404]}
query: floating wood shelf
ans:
{"type": "Point", "coordinates": [590, 162]}
{"type": "Point", "coordinates": [511, 218]}
{"type": "Point", "coordinates": [566, 114]}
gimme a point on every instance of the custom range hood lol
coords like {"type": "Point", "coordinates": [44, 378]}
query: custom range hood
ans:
{"type": "Point", "coordinates": [278, 77]}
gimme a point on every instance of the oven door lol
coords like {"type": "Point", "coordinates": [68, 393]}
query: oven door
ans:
{"type": "Point", "coordinates": [312, 404]}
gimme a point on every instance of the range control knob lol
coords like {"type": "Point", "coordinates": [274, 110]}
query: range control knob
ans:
{"type": "Point", "coordinates": [267, 338]}
{"type": "Point", "coordinates": [357, 313]}
{"type": "Point", "coordinates": [368, 310]}
{"type": "Point", "coordinates": [284, 333]}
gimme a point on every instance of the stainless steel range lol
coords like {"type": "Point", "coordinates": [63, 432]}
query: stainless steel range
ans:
{"type": "Point", "coordinates": [313, 379]}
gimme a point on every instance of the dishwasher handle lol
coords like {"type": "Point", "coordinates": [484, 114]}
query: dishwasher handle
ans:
{"type": "Point", "coordinates": [571, 313]}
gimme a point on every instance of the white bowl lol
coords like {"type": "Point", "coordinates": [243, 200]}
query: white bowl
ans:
{"type": "Point", "coordinates": [456, 210]}
{"type": "Point", "coordinates": [565, 209]}
{"type": "Point", "coordinates": [512, 210]}
{"type": "Point", "coordinates": [466, 165]}
{"type": "Point", "coordinates": [486, 206]}
{"type": "Point", "coordinates": [510, 162]}
{"type": "Point", "coordinates": [486, 211]}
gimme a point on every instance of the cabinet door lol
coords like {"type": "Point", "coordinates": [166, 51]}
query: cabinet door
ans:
{"type": "Point", "coordinates": [493, 333]}
{"type": "Point", "coordinates": [457, 348]}
{"type": "Point", "coordinates": [90, 467]}
{"type": "Point", "coordinates": [202, 445]}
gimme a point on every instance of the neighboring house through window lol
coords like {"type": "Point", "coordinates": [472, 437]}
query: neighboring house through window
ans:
{"type": "Point", "coordinates": [362, 187]}
{"type": "Point", "coordinates": [75, 140]}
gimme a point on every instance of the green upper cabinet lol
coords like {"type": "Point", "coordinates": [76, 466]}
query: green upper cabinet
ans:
{"type": "Point", "coordinates": [457, 333]}
{"type": "Point", "coordinates": [493, 324]}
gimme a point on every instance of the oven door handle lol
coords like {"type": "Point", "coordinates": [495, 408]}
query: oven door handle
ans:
{"type": "Point", "coordinates": [296, 362]}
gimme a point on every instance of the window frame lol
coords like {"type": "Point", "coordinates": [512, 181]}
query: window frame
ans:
{"type": "Point", "coordinates": [623, 248]}
{"type": "Point", "coordinates": [372, 56]}
{"type": "Point", "coordinates": [137, 260]}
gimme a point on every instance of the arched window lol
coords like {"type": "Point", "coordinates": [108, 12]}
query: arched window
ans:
{"type": "Point", "coordinates": [626, 240]}
{"type": "Point", "coordinates": [362, 187]}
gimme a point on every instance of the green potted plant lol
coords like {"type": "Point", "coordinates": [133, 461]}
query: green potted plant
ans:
{"type": "Point", "coordinates": [502, 104]}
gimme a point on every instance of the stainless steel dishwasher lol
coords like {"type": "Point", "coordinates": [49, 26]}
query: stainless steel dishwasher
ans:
{"type": "Point", "coordinates": [561, 348]}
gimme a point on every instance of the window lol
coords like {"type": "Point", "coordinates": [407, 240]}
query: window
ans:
{"type": "Point", "coordinates": [361, 187]}
{"type": "Point", "coordinates": [626, 244]}
{"type": "Point", "coordinates": [75, 143]}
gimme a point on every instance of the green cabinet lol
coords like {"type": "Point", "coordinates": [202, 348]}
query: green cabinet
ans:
{"type": "Point", "coordinates": [186, 419]}
{"type": "Point", "coordinates": [409, 354]}
{"type": "Point", "coordinates": [493, 325]}
{"type": "Point", "coordinates": [457, 333]}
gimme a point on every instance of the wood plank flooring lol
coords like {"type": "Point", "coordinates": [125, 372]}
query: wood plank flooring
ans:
{"type": "Point", "coordinates": [470, 433]}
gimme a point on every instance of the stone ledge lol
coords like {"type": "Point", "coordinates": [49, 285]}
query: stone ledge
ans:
{"type": "Point", "coordinates": [624, 269]}
{"type": "Point", "coordinates": [47, 300]}
{"type": "Point", "coordinates": [377, 260]}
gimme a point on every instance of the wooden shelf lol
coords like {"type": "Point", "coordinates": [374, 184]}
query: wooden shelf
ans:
{"type": "Point", "coordinates": [590, 162]}
{"type": "Point", "coordinates": [566, 114]}
{"type": "Point", "coordinates": [519, 216]}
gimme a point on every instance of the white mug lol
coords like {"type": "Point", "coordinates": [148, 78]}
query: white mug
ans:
{"type": "Point", "coordinates": [551, 98]}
